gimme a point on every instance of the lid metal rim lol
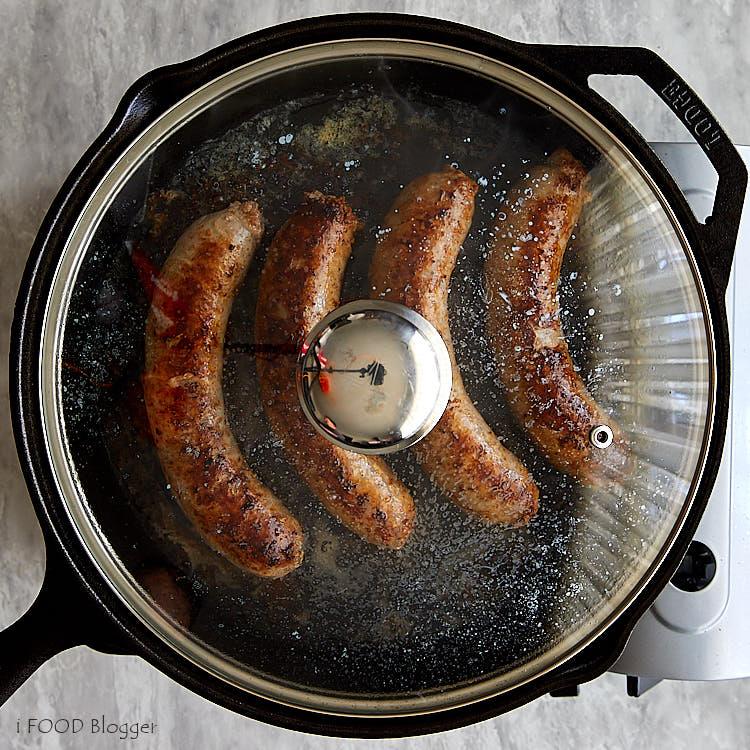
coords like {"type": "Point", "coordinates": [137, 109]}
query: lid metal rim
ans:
{"type": "Point", "coordinates": [85, 525]}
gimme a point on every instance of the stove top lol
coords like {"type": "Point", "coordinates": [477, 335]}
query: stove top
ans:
{"type": "Point", "coordinates": [697, 629]}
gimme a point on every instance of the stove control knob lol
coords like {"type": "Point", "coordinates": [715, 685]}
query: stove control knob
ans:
{"type": "Point", "coordinates": [697, 568]}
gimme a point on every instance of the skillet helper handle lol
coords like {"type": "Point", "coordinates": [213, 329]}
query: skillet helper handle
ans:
{"type": "Point", "coordinates": [61, 617]}
{"type": "Point", "coordinates": [719, 233]}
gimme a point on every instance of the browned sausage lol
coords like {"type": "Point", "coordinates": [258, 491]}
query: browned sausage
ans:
{"type": "Point", "coordinates": [300, 284]}
{"type": "Point", "coordinates": [162, 584]}
{"type": "Point", "coordinates": [182, 387]}
{"type": "Point", "coordinates": [545, 393]}
{"type": "Point", "coordinates": [412, 265]}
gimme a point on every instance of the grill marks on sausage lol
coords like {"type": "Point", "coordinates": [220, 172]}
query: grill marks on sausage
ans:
{"type": "Point", "coordinates": [412, 264]}
{"type": "Point", "coordinates": [545, 393]}
{"type": "Point", "coordinates": [300, 284]}
{"type": "Point", "coordinates": [200, 457]}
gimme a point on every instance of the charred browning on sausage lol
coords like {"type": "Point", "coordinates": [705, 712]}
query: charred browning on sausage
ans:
{"type": "Point", "coordinates": [301, 283]}
{"type": "Point", "coordinates": [544, 391]}
{"type": "Point", "coordinates": [412, 265]}
{"type": "Point", "coordinates": [185, 329]}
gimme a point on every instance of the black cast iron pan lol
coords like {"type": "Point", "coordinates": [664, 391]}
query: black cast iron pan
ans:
{"type": "Point", "coordinates": [76, 606]}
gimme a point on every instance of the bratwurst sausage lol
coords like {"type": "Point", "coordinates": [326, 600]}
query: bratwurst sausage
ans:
{"type": "Point", "coordinates": [412, 264]}
{"type": "Point", "coordinates": [545, 393]}
{"type": "Point", "coordinates": [299, 285]}
{"type": "Point", "coordinates": [200, 458]}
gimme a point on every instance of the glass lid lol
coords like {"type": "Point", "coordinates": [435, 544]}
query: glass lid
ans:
{"type": "Point", "coordinates": [403, 510]}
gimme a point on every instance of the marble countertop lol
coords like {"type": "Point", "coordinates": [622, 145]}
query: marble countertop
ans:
{"type": "Point", "coordinates": [64, 67]}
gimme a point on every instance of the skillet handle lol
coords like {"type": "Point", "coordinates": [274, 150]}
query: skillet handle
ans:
{"type": "Point", "coordinates": [719, 233]}
{"type": "Point", "coordinates": [62, 616]}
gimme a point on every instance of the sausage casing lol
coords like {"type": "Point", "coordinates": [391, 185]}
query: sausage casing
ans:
{"type": "Point", "coordinates": [300, 284]}
{"type": "Point", "coordinates": [412, 265]}
{"type": "Point", "coordinates": [545, 393]}
{"type": "Point", "coordinates": [182, 387]}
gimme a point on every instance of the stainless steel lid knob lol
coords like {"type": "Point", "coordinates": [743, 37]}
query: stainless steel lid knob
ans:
{"type": "Point", "coordinates": [374, 376]}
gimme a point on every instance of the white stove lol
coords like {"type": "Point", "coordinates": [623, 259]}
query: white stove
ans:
{"type": "Point", "coordinates": [698, 629]}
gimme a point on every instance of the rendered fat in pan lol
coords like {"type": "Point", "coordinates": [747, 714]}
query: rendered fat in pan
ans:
{"type": "Point", "coordinates": [300, 284]}
{"type": "Point", "coordinates": [412, 264]}
{"type": "Point", "coordinates": [201, 460]}
{"type": "Point", "coordinates": [545, 393]}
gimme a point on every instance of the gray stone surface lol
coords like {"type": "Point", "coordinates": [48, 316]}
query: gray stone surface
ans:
{"type": "Point", "coordinates": [63, 67]}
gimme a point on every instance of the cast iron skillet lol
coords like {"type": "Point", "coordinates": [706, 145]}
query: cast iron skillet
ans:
{"type": "Point", "coordinates": [77, 607]}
